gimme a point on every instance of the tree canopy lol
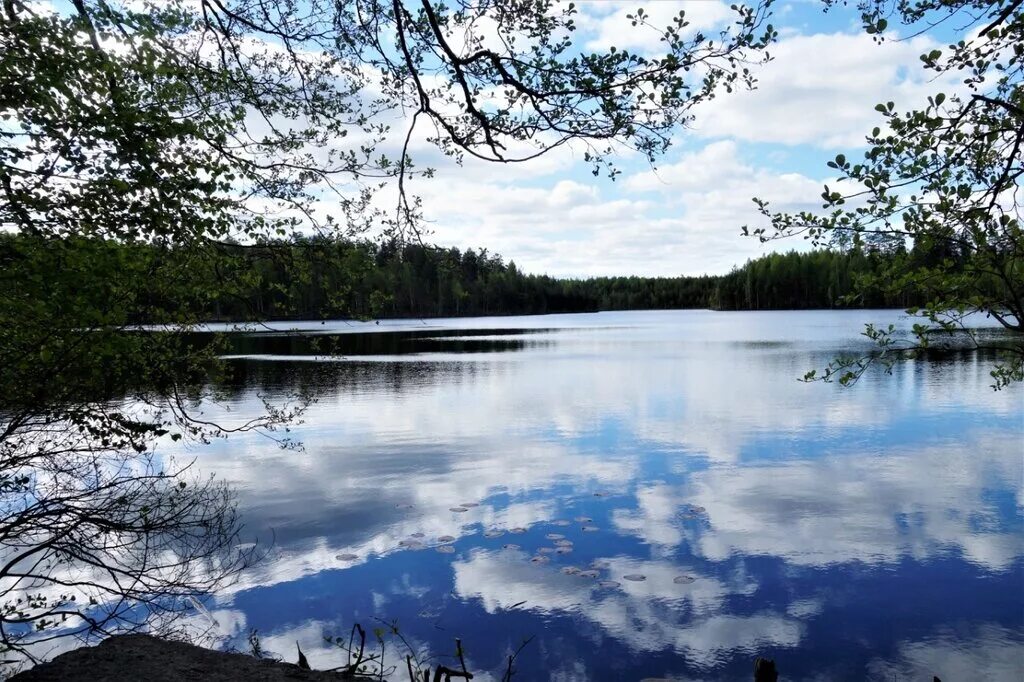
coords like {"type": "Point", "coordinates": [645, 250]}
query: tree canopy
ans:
{"type": "Point", "coordinates": [945, 178]}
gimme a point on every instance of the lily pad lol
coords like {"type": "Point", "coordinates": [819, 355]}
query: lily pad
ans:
{"type": "Point", "coordinates": [458, 510]}
{"type": "Point", "coordinates": [445, 549]}
{"type": "Point", "coordinates": [609, 583]}
{"type": "Point", "coordinates": [563, 550]}
{"type": "Point", "coordinates": [570, 570]}
{"type": "Point", "coordinates": [416, 535]}
{"type": "Point", "coordinates": [510, 546]}
{"type": "Point", "coordinates": [563, 543]}
{"type": "Point", "coordinates": [540, 560]}
{"type": "Point", "coordinates": [346, 557]}
{"type": "Point", "coordinates": [494, 533]}
{"type": "Point", "coordinates": [555, 536]}
{"type": "Point", "coordinates": [561, 522]}
{"type": "Point", "coordinates": [410, 544]}
{"type": "Point", "coordinates": [589, 529]}
{"type": "Point", "coordinates": [583, 519]}
{"type": "Point", "coordinates": [518, 530]}
{"type": "Point", "coordinates": [469, 505]}
{"type": "Point", "coordinates": [590, 573]}
{"type": "Point", "coordinates": [635, 577]}
{"type": "Point", "coordinates": [683, 579]}
{"type": "Point", "coordinates": [446, 538]}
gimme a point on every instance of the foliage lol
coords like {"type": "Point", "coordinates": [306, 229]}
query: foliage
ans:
{"type": "Point", "coordinates": [945, 179]}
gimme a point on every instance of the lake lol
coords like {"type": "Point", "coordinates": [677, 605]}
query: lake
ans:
{"type": "Point", "coordinates": [646, 494]}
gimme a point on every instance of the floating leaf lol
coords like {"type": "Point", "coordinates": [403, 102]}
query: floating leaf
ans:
{"type": "Point", "coordinates": [458, 510]}
{"type": "Point", "coordinates": [445, 549]}
{"type": "Point", "coordinates": [683, 579]}
{"type": "Point", "coordinates": [518, 530]}
{"type": "Point", "coordinates": [563, 543]}
{"type": "Point", "coordinates": [570, 570]}
{"type": "Point", "coordinates": [635, 577]}
{"type": "Point", "coordinates": [510, 546]}
{"type": "Point", "coordinates": [583, 519]}
{"type": "Point", "coordinates": [546, 550]}
{"type": "Point", "coordinates": [411, 544]}
{"type": "Point", "coordinates": [540, 560]}
{"type": "Point", "coordinates": [494, 533]}
{"type": "Point", "coordinates": [403, 505]}
{"type": "Point", "coordinates": [416, 535]}
{"type": "Point", "coordinates": [563, 550]}
{"type": "Point", "coordinates": [469, 505]}
{"type": "Point", "coordinates": [561, 522]}
{"type": "Point", "coordinates": [446, 538]}
{"type": "Point", "coordinates": [590, 573]}
{"type": "Point", "coordinates": [589, 529]}
{"type": "Point", "coordinates": [346, 557]}
{"type": "Point", "coordinates": [609, 583]}
{"type": "Point", "coordinates": [555, 536]}
{"type": "Point", "coordinates": [601, 564]}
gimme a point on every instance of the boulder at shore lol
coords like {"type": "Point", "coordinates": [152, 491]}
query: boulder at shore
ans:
{"type": "Point", "coordinates": [126, 658]}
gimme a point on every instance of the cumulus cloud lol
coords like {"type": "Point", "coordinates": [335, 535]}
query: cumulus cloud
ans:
{"type": "Point", "coordinates": [610, 25]}
{"type": "Point", "coordinates": [821, 90]}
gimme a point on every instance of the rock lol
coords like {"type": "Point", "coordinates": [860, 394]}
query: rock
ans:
{"type": "Point", "coordinates": [144, 658]}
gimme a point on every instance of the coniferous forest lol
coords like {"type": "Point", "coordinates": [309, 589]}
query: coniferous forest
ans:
{"type": "Point", "coordinates": [318, 279]}
{"type": "Point", "coordinates": [368, 280]}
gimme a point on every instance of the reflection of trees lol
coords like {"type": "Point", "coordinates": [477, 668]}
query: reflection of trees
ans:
{"type": "Point", "coordinates": [96, 538]}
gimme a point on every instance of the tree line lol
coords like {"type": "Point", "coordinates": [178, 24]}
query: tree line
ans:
{"type": "Point", "coordinates": [311, 279]}
{"type": "Point", "coordinates": [318, 278]}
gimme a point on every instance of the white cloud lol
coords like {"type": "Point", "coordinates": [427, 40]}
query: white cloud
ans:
{"type": "Point", "coordinates": [821, 90]}
{"type": "Point", "coordinates": [611, 26]}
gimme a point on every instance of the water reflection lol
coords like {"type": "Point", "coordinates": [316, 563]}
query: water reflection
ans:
{"type": "Point", "coordinates": [846, 533]}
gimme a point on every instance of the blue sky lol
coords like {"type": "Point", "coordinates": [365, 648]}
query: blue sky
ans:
{"type": "Point", "coordinates": [814, 100]}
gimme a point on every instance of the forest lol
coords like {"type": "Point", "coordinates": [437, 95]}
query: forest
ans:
{"type": "Point", "coordinates": [367, 280]}
{"type": "Point", "coordinates": [329, 278]}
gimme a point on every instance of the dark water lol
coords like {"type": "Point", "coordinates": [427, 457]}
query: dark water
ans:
{"type": "Point", "coordinates": [865, 533]}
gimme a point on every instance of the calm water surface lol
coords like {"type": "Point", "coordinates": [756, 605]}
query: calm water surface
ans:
{"type": "Point", "coordinates": [725, 509]}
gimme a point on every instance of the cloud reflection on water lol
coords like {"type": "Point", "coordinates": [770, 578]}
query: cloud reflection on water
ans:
{"type": "Point", "coordinates": [921, 467]}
